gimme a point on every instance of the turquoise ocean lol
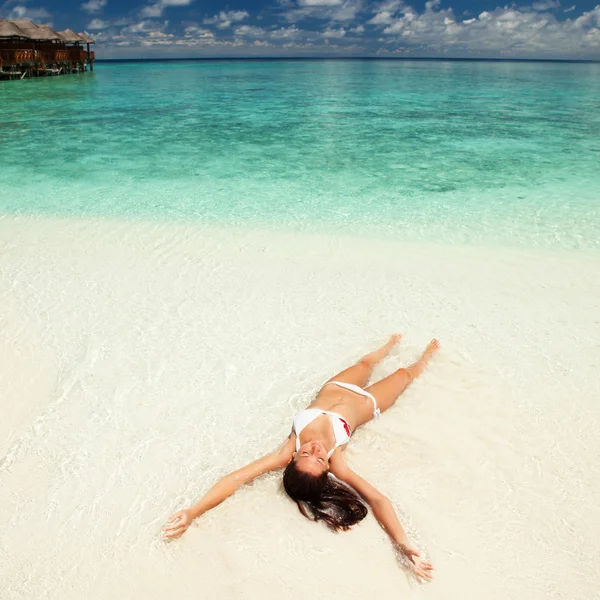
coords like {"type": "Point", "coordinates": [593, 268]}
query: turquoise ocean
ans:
{"type": "Point", "coordinates": [461, 151]}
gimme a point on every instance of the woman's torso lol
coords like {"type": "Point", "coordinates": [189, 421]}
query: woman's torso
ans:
{"type": "Point", "coordinates": [352, 407]}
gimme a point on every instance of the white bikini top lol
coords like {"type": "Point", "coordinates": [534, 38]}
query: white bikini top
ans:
{"type": "Point", "coordinates": [341, 429]}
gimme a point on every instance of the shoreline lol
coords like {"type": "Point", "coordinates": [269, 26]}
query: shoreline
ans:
{"type": "Point", "coordinates": [152, 226]}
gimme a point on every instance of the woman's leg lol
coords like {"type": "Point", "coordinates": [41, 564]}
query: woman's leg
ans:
{"type": "Point", "coordinates": [387, 390]}
{"type": "Point", "coordinates": [359, 373]}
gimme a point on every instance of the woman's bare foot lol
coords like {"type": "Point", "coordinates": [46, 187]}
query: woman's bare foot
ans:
{"type": "Point", "coordinates": [432, 347]}
{"type": "Point", "coordinates": [378, 355]}
{"type": "Point", "coordinates": [394, 339]}
{"type": "Point", "coordinates": [416, 369]}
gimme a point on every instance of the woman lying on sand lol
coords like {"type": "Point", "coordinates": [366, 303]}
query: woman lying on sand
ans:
{"type": "Point", "coordinates": [315, 448]}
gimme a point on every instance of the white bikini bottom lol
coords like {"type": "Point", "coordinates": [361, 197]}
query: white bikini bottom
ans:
{"type": "Point", "coordinates": [357, 390]}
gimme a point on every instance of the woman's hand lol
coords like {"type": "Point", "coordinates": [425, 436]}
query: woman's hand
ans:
{"type": "Point", "coordinates": [226, 486]}
{"type": "Point", "coordinates": [180, 521]}
{"type": "Point", "coordinates": [421, 568]}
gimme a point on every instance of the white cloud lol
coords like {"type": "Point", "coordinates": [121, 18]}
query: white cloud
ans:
{"type": "Point", "coordinates": [157, 9]}
{"type": "Point", "coordinates": [39, 15]}
{"type": "Point", "coordinates": [198, 32]}
{"type": "Point", "coordinates": [144, 27]}
{"type": "Point", "coordinates": [94, 6]}
{"type": "Point", "coordinates": [99, 36]}
{"type": "Point", "coordinates": [391, 14]}
{"type": "Point", "coordinates": [17, 12]}
{"type": "Point", "coordinates": [342, 11]}
{"type": "Point", "coordinates": [334, 33]}
{"type": "Point", "coordinates": [160, 36]}
{"type": "Point", "coordinates": [285, 33]}
{"type": "Point", "coordinates": [570, 9]}
{"type": "Point", "coordinates": [507, 31]}
{"type": "Point", "coordinates": [389, 6]}
{"type": "Point", "coordinates": [96, 24]}
{"type": "Point", "coordinates": [225, 18]}
{"type": "Point", "coordinates": [382, 18]}
{"type": "Point", "coordinates": [320, 2]}
{"type": "Point", "coordinates": [384, 12]}
{"type": "Point", "coordinates": [542, 5]}
{"type": "Point", "coordinates": [250, 31]}
{"type": "Point", "coordinates": [347, 11]}
{"type": "Point", "coordinates": [359, 29]}
{"type": "Point", "coordinates": [152, 10]}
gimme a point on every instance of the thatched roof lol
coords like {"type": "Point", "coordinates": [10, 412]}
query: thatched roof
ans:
{"type": "Point", "coordinates": [9, 30]}
{"type": "Point", "coordinates": [36, 32]}
{"type": "Point", "coordinates": [48, 33]}
{"type": "Point", "coordinates": [86, 38]}
{"type": "Point", "coordinates": [69, 36]}
{"type": "Point", "coordinates": [24, 28]}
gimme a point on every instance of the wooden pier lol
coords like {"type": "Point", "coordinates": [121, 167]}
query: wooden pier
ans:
{"type": "Point", "coordinates": [31, 50]}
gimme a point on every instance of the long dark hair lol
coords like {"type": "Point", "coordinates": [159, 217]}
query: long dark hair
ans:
{"type": "Point", "coordinates": [323, 498]}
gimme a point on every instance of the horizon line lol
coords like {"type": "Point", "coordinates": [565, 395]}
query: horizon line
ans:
{"type": "Point", "coordinates": [316, 58]}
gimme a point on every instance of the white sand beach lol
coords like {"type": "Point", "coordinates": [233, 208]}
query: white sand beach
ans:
{"type": "Point", "coordinates": [141, 361]}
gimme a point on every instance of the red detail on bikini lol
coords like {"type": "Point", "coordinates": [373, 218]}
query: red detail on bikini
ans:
{"type": "Point", "coordinates": [346, 427]}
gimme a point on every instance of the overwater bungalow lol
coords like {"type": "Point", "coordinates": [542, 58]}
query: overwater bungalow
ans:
{"type": "Point", "coordinates": [31, 50]}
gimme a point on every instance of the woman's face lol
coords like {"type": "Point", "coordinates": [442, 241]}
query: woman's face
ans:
{"type": "Point", "coordinates": [312, 458]}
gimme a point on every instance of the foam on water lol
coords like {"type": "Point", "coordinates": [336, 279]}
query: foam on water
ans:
{"type": "Point", "coordinates": [143, 361]}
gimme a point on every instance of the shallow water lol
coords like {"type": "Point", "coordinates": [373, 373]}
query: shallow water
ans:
{"type": "Point", "coordinates": [144, 361]}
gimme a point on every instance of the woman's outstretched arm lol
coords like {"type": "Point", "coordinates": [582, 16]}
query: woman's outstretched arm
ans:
{"type": "Point", "coordinates": [225, 487]}
{"type": "Point", "coordinates": [384, 513]}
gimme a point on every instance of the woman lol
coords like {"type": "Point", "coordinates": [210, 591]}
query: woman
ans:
{"type": "Point", "coordinates": [314, 451]}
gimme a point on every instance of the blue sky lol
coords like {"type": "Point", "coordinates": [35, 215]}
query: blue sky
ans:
{"type": "Point", "coordinates": [453, 28]}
